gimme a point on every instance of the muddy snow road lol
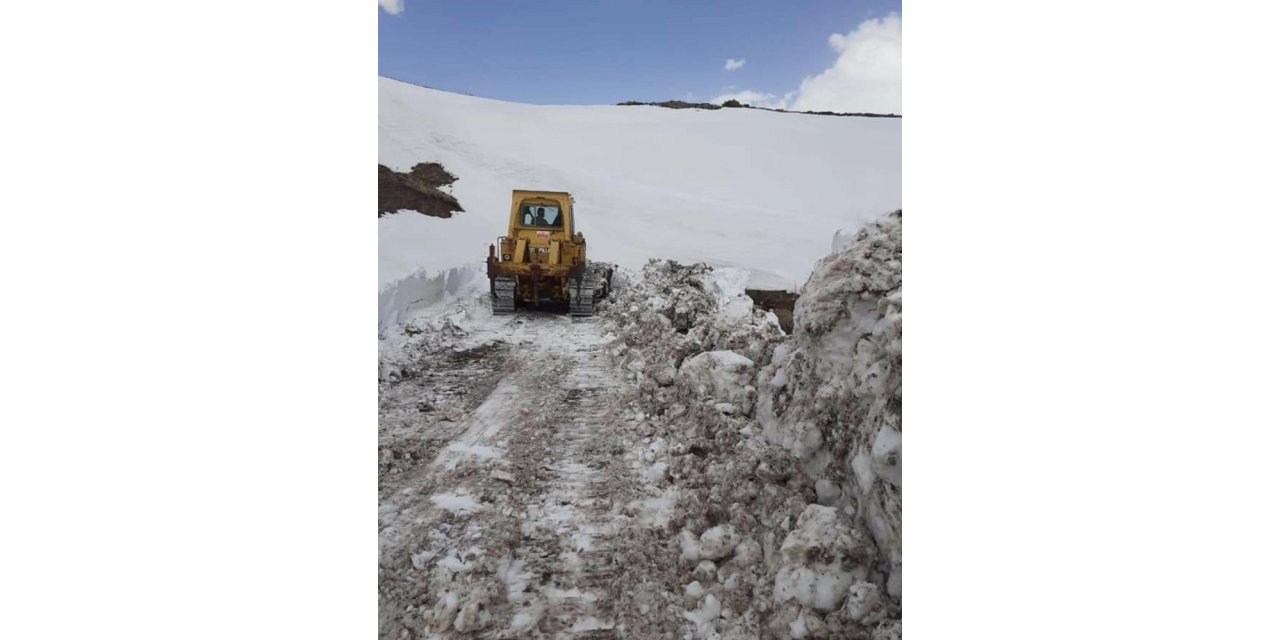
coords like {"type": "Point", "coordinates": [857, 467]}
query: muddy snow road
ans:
{"type": "Point", "coordinates": [675, 467]}
{"type": "Point", "coordinates": [504, 485]}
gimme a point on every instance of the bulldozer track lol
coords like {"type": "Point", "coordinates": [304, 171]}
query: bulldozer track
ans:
{"type": "Point", "coordinates": [504, 295]}
{"type": "Point", "coordinates": [575, 554]}
{"type": "Point", "coordinates": [549, 428]}
{"type": "Point", "coordinates": [582, 295]}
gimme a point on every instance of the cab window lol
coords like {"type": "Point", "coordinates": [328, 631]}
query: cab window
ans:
{"type": "Point", "coordinates": [541, 215]}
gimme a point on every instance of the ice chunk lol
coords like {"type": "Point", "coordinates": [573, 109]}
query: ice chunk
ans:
{"type": "Point", "coordinates": [747, 553]}
{"type": "Point", "coordinates": [590, 623]}
{"type": "Point", "coordinates": [522, 621]}
{"type": "Point", "coordinates": [689, 546]}
{"type": "Point", "coordinates": [420, 560]}
{"type": "Point", "coordinates": [862, 599]}
{"type": "Point", "coordinates": [693, 593]}
{"type": "Point", "coordinates": [456, 502]}
{"type": "Point", "coordinates": [886, 453]}
{"type": "Point", "coordinates": [705, 571]}
{"type": "Point", "coordinates": [472, 617]}
{"type": "Point", "coordinates": [827, 492]}
{"type": "Point", "coordinates": [710, 610]}
{"type": "Point", "coordinates": [717, 542]}
{"type": "Point", "coordinates": [724, 376]}
{"type": "Point", "coordinates": [821, 557]}
{"type": "Point", "coordinates": [443, 613]}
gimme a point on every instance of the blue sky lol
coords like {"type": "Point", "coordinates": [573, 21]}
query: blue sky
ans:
{"type": "Point", "coordinates": [560, 52]}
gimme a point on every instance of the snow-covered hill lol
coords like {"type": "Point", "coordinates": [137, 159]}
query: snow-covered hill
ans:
{"type": "Point", "coordinates": [735, 187]}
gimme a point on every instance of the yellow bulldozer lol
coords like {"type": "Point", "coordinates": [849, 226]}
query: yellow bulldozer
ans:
{"type": "Point", "coordinates": [542, 261]}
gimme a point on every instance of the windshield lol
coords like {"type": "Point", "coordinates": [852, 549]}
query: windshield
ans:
{"type": "Point", "coordinates": [540, 215]}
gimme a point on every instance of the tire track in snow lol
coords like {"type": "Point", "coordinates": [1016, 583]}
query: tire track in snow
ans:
{"type": "Point", "coordinates": [515, 517]}
{"type": "Point", "coordinates": [568, 531]}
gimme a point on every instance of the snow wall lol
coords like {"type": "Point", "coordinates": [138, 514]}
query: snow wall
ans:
{"type": "Point", "coordinates": [784, 451]}
{"type": "Point", "coordinates": [832, 395]}
{"type": "Point", "coordinates": [399, 299]}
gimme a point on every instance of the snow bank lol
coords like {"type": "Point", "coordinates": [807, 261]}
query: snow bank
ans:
{"type": "Point", "coordinates": [803, 483]}
{"type": "Point", "coordinates": [400, 299]}
{"type": "Point", "coordinates": [836, 385]}
{"type": "Point", "coordinates": [670, 312]}
{"type": "Point", "coordinates": [692, 341]}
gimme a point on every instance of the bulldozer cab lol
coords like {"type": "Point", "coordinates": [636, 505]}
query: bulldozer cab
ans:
{"type": "Point", "coordinates": [541, 211]}
{"type": "Point", "coordinates": [542, 216]}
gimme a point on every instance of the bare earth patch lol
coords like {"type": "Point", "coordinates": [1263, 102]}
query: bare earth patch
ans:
{"type": "Point", "coordinates": [781, 303]}
{"type": "Point", "coordinates": [418, 190]}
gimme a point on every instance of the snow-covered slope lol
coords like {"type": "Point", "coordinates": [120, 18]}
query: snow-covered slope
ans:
{"type": "Point", "coordinates": [737, 187]}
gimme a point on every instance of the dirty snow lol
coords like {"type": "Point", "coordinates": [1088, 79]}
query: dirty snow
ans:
{"type": "Point", "coordinates": [819, 559]}
{"type": "Point", "coordinates": [820, 554]}
{"type": "Point", "coordinates": [836, 386]}
{"type": "Point", "coordinates": [455, 502]}
{"type": "Point", "coordinates": [676, 466]}
{"type": "Point", "coordinates": [506, 503]}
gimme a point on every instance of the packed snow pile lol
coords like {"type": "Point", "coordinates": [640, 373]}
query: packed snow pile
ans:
{"type": "Point", "coordinates": [692, 342]}
{"type": "Point", "coordinates": [723, 376]}
{"type": "Point", "coordinates": [742, 422]}
{"type": "Point", "coordinates": [832, 395]}
{"type": "Point", "coordinates": [669, 312]}
{"type": "Point", "coordinates": [821, 557]}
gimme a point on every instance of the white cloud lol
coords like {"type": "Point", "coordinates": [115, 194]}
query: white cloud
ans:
{"type": "Point", "coordinates": [867, 76]}
{"type": "Point", "coordinates": [393, 7]}
{"type": "Point", "coordinates": [732, 65]}
{"type": "Point", "coordinates": [755, 99]}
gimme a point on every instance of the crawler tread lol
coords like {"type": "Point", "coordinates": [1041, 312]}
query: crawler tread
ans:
{"type": "Point", "coordinates": [582, 295]}
{"type": "Point", "coordinates": [504, 295]}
